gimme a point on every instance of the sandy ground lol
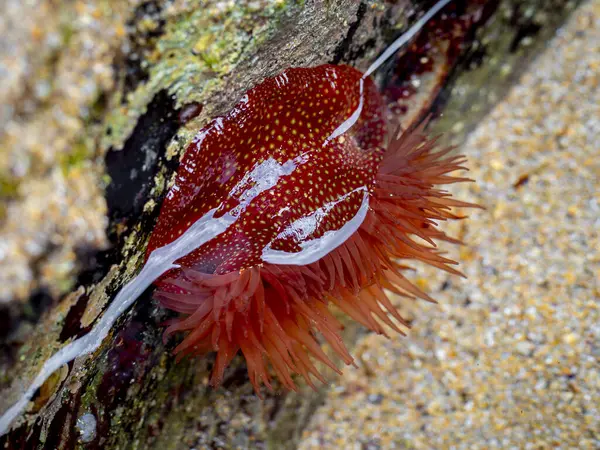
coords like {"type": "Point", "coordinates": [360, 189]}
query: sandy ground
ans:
{"type": "Point", "coordinates": [510, 356]}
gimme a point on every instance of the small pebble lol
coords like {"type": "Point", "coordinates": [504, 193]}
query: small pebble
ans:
{"type": "Point", "coordinates": [86, 426]}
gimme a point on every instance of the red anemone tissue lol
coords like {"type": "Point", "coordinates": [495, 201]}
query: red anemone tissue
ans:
{"type": "Point", "coordinates": [321, 207]}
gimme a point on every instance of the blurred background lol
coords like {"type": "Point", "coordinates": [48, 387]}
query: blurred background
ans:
{"type": "Point", "coordinates": [99, 98]}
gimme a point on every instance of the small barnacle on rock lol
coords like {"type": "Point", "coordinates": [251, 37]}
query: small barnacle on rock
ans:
{"type": "Point", "coordinates": [86, 427]}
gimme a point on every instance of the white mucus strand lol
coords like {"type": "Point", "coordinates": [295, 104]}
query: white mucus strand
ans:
{"type": "Point", "coordinates": [350, 121]}
{"type": "Point", "coordinates": [315, 249]}
{"type": "Point", "coordinates": [393, 48]}
{"type": "Point", "coordinates": [405, 37]}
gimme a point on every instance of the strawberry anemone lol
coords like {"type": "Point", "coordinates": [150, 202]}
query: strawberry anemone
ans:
{"type": "Point", "coordinates": [322, 207]}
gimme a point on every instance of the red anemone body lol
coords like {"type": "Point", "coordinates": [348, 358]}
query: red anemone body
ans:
{"type": "Point", "coordinates": [321, 204]}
